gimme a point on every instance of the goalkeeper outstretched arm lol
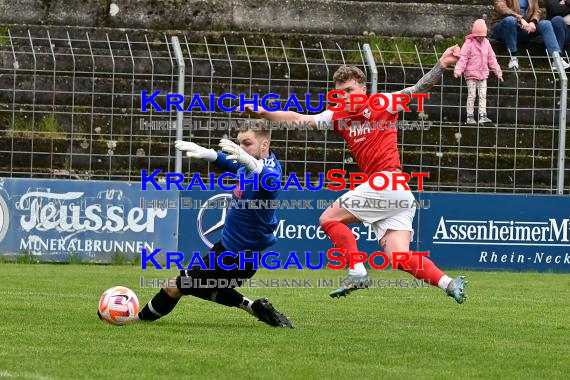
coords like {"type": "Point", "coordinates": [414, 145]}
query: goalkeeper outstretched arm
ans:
{"type": "Point", "coordinates": [195, 151]}
{"type": "Point", "coordinates": [230, 159]}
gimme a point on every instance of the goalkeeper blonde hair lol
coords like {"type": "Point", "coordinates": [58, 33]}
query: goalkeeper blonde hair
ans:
{"type": "Point", "coordinates": [258, 127]}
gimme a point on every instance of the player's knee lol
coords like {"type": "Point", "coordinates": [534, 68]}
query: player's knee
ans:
{"type": "Point", "coordinates": [388, 257]}
{"type": "Point", "coordinates": [334, 214]}
{"type": "Point", "coordinates": [324, 218]}
{"type": "Point", "coordinates": [174, 292]}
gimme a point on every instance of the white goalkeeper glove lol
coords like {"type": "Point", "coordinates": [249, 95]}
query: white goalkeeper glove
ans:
{"type": "Point", "coordinates": [241, 156]}
{"type": "Point", "coordinates": [196, 151]}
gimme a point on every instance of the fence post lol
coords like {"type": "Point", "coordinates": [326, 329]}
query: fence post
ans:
{"type": "Point", "coordinates": [562, 121]}
{"type": "Point", "coordinates": [372, 67]}
{"type": "Point", "coordinates": [179, 114]}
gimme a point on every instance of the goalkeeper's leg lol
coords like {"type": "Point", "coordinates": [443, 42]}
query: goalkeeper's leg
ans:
{"type": "Point", "coordinates": [261, 308]}
{"type": "Point", "coordinates": [165, 301]}
{"type": "Point", "coordinates": [167, 298]}
{"type": "Point", "coordinates": [228, 295]}
{"type": "Point", "coordinates": [160, 305]}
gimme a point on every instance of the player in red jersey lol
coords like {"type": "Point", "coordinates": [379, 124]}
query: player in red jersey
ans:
{"type": "Point", "coordinates": [375, 150]}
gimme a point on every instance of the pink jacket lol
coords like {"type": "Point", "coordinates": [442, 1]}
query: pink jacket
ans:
{"type": "Point", "coordinates": [476, 59]}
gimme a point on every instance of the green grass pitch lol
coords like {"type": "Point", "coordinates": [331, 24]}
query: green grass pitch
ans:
{"type": "Point", "coordinates": [515, 325]}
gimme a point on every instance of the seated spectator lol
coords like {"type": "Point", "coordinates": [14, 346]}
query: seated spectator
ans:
{"type": "Point", "coordinates": [521, 20]}
{"type": "Point", "coordinates": [558, 12]}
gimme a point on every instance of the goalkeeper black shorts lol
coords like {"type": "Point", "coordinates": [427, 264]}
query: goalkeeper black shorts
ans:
{"type": "Point", "coordinates": [219, 277]}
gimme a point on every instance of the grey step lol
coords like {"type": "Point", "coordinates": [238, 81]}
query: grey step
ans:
{"type": "Point", "coordinates": [514, 107]}
{"type": "Point", "coordinates": [42, 88]}
{"type": "Point", "coordinates": [448, 138]}
{"type": "Point", "coordinates": [419, 19]}
{"type": "Point", "coordinates": [241, 71]}
{"type": "Point", "coordinates": [447, 2]}
{"type": "Point", "coordinates": [219, 42]}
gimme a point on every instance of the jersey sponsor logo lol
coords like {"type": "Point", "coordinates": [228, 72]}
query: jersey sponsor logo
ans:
{"type": "Point", "coordinates": [269, 162]}
{"type": "Point", "coordinates": [359, 129]}
{"type": "Point", "coordinates": [214, 218]}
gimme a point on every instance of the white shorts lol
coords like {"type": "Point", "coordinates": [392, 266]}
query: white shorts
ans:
{"type": "Point", "coordinates": [381, 209]}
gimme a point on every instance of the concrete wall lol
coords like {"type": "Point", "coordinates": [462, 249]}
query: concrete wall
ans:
{"type": "Point", "coordinates": [406, 18]}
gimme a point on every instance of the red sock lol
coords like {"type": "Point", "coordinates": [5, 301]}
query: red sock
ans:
{"type": "Point", "coordinates": [430, 272]}
{"type": "Point", "coordinates": [341, 237]}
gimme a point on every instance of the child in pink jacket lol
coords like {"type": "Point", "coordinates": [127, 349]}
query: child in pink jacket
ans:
{"type": "Point", "coordinates": [477, 56]}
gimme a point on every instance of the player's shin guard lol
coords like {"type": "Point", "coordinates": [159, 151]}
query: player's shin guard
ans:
{"type": "Point", "coordinates": [160, 305]}
{"type": "Point", "coordinates": [342, 238]}
{"type": "Point", "coordinates": [429, 272]}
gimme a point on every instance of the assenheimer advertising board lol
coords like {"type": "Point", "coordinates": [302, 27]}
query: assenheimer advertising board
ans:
{"type": "Point", "coordinates": [488, 232]}
{"type": "Point", "coordinates": [471, 231]}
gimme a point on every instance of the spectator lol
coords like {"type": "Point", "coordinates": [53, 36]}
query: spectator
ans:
{"type": "Point", "coordinates": [477, 56]}
{"type": "Point", "coordinates": [520, 20]}
{"type": "Point", "coordinates": [558, 12]}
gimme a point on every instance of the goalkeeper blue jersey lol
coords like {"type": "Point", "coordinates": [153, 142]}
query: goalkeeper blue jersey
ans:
{"type": "Point", "coordinates": [249, 229]}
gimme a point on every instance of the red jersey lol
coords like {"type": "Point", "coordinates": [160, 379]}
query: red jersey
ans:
{"type": "Point", "coordinates": [371, 138]}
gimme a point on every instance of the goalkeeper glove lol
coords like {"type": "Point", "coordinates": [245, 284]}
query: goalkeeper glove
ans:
{"type": "Point", "coordinates": [196, 151]}
{"type": "Point", "coordinates": [241, 156]}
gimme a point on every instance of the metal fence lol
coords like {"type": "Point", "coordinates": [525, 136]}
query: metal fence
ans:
{"type": "Point", "coordinates": [70, 107]}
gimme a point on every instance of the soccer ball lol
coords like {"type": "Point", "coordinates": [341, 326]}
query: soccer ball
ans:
{"type": "Point", "coordinates": [118, 306]}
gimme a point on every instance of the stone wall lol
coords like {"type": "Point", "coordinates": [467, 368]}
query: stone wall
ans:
{"type": "Point", "coordinates": [405, 18]}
